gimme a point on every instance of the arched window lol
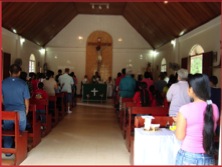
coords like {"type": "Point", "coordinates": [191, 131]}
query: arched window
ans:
{"type": "Point", "coordinates": [196, 59]}
{"type": "Point", "coordinates": [163, 65]}
{"type": "Point", "coordinates": [32, 63]}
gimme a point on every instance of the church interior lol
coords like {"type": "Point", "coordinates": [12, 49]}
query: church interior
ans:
{"type": "Point", "coordinates": [104, 37]}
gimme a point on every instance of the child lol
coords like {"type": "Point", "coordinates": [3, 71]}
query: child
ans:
{"type": "Point", "coordinates": [39, 94]}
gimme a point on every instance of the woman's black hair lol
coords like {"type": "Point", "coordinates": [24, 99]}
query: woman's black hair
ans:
{"type": "Point", "coordinates": [201, 87]}
{"type": "Point", "coordinates": [148, 75]}
{"type": "Point", "coordinates": [23, 75]}
{"type": "Point", "coordinates": [49, 74]}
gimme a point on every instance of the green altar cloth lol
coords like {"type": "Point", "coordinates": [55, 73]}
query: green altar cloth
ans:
{"type": "Point", "coordinates": [94, 92]}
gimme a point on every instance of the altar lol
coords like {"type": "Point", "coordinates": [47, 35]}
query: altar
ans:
{"type": "Point", "coordinates": [94, 92]}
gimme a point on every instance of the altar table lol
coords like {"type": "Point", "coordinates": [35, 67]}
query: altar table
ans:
{"type": "Point", "coordinates": [94, 92]}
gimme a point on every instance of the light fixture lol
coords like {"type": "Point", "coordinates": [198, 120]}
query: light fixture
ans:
{"type": "Point", "coordinates": [14, 30]}
{"type": "Point", "coordinates": [182, 32]}
{"type": "Point", "coordinates": [42, 51]}
{"type": "Point", "coordinates": [173, 42]}
{"type": "Point", "coordinates": [99, 6]}
{"type": "Point", "coordinates": [22, 40]}
{"type": "Point", "coordinates": [165, 2]}
{"type": "Point", "coordinates": [120, 40]}
{"type": "Point", "coordinates": [154, 53]}
{"type": "Point", "coordinates": [80, 37]}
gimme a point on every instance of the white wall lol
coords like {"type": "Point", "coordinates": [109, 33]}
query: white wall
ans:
{"type": "Point", "coordinates": [71, 52]}
{"type": "Point", "coordinates": [208, 36]}
{"type": "Point", "coordinates": [65, 50]}
{"type": "Point", "coordinates": [11, 44]}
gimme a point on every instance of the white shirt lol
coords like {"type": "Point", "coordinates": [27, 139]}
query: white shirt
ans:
{"type": "Point", "coordinates": [66, 83]}
{"type": "Point", "coordinates": [178, 96]}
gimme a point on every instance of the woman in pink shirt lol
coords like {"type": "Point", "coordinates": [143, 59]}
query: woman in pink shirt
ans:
{"type": "Point", "coordinates": [196, 123]}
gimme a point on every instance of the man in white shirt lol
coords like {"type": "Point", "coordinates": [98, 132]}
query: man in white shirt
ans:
{"type": "Point", "coordinates": [66, 82]}
{"type": "Point", "coordinates": [177, 93]}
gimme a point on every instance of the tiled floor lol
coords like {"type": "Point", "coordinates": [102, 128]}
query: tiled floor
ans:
{"type": "Point", "coordinates": [89, 136]}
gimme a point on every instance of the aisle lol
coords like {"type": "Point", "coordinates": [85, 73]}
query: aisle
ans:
{"type": "Point", "coordinates": [88, 136]}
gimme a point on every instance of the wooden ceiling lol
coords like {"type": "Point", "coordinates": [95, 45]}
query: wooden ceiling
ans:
{"type": "Point", "coordinates": [157, 22]}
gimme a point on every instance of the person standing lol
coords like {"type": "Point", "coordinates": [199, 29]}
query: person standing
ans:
{"type": "Point", "coordinates": [148, 79]}
{"type": "Point", "coordinates": [84, 81]}
{"type": "Point", "coordinates": [40, 94]}
{"type": "Point", "coordinates": [110, 87]}
{"type": "Point", "coordinates": [58, 75]}
{"type": "Point", "coordinates": [16, 97]}
{"type": "Point", "coordinates": [196, 124]}
{"type": "Point", "coordinates": [177, 93]}
{"type": "Point", "coordinates": [141, 97]}
{"type": "Point", "coordinates": [50, 85]}
{"type": "Point", "coordinates": [215, 91]}
{"type": "Point", "coordinates": [215, 96]}
{"type": "Point", "coordinates": [127, 87]}
{"type": "Point", "coordinates": [66, 83]}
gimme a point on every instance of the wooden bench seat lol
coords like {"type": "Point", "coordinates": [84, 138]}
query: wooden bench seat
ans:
{"type": "Point", "coordinates": [122, 108]}
{"type": "Point", "coordinates": [20, 138]}
{"type": "Point", "coordinates": [60, 102]}
{"type": "Point", "coordinates": [53, 110]}
{"type": "Point", "coordinates": [46, 126]}
{"type": "Point", "coordinates": [34, 134]}
{"type": "Point", "coordinates": [126, 106]}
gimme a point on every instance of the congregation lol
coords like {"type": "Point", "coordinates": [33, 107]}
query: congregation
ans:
{"type": "Point", "coordinates": [174, 92]}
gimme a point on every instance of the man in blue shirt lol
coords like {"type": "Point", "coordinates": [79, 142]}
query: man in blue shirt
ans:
{"type": "Point", "coordinates": [16, 96]}
{"type": "Point", "coordinates": [127, 87]}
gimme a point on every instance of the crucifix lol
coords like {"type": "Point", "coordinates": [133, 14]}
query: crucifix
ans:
{"type": "Point", "coordinates": [99, 48]}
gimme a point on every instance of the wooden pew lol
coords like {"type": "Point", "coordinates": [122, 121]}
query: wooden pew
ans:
{"type": "Point", "coordinates": [122, 108]}
{"type": "Point", "coordinates": [162, 120]}
{"type": "Point", "coordinates": [34, 134]}
{"type": "Point", "coordinates": [60, 105]}
{"type": "Point", "coordinates": [53, 110]}
{"type": "Point", "coordinates": [126, 105]}
{"type": "Point", "coordinates": [139, 122]}
{"type": "Point", "coordinates": [132, 111]}
{"type": "Point", "coordinates": [123, 100]}
{"type": "Point", "coordinates": [21, 140]}
{"type": "Point", "coordinates": [47, 125]}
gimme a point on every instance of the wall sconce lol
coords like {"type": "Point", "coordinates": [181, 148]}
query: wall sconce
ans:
{"type": "Point", "coordinates": [173, 42]}
{"type": "Point", "coordinates": [14, 30]}
{"type": "Point", "coordinates": [154, 53]}
{"type": "Point", "coordinates": [42, 51]}
{"type": "Point", "coordinates": [182, 32]}
{"type": "Point", "coordinates": [22, 40]}
{"type": "Point", "coordinates": [99, 6]}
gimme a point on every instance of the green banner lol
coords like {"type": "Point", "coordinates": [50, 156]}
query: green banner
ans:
{"type": "Point", "coordinates": [94, 92]}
